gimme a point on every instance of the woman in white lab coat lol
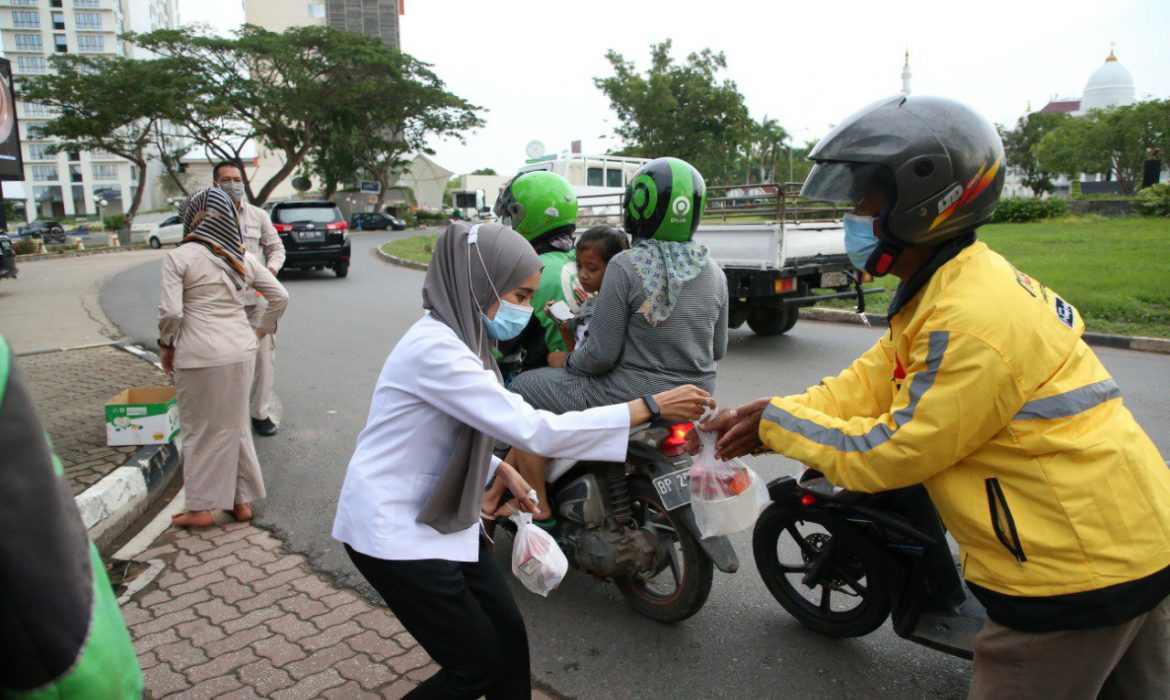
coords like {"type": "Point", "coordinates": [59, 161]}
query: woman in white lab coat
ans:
{"type": "Point", "coordinates": [409, 512]}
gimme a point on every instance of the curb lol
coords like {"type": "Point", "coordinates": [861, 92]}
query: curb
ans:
{"type": "Point", "coordinates": [81, 253]}
{"type": "Point", "coordinates": [111, 505]}
{"type": "Point", "coordinates": [1124, 342]}
{"type": "Point", "coordinates": [395, 260]}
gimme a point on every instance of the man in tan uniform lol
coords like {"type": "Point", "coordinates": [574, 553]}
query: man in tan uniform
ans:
{"type": "Point", "coordinates": [262, 241]}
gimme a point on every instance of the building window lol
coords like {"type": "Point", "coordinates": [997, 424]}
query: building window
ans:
{"type": "Point", "coordinates": [36, 109]}
{"type": "Point", "coordinates": [30, 64]}
{"type": "Point", "coordinates": [58, 20]}
{"type": "Point", "coordinates": [613, 178]}
{"type": "Point", "coordinates": [44, 173]}
{"type": "Point", "coordinates": [317, 10]}
{"type": "Point", "coordinates": [74, 156]}
{"type": "Point", "coordinates": [29, 42]}
{"type": "Point", "coordinates": [594, 177]}
{"type": "Point", "coordinates": [86, 3]}
{"type": "Point", "coordinates": [101, 155]}
{"type": "Point", "coordinates": [61, 43]}
{"type": "Point", "coordinates": [40, 151]}
{"type": "Point", "coordinates": [75, 173]}
{"type": "Point", "coordinates": [105, 172]}
{"type": "Point", "coordinates": [56, 3]}
{"type": "Point", "coordinates": [88, 20]}
{"type": "Point", "coordinates": [91, 43]}
{"type": "Point", "coordinates": [34, 132]}
{"type": "Point", "coordinates": [24, 3]}
{"type": "Point", "coordinates": [26, 20]}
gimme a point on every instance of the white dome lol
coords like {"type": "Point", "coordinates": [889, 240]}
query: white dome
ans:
{"type": "Point", "coordinates": [1111, 85]}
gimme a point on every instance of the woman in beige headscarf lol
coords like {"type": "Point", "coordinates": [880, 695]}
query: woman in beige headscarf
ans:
{"type": "Point", "coordinates": [208, 345]}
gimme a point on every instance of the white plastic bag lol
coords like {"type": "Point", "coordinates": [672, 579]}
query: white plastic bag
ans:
{"type": "Point", "coordinates": [726, 497]}
{"type": "Point", "coordinates": [536, 559]}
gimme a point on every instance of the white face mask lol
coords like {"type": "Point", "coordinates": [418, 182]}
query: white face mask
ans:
{"type": "Point", "coordinates": [235, 190]}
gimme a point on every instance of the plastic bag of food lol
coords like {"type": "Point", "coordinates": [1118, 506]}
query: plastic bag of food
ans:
{"type": "Point", "coordinates": [536, 559]}
{"type": "Point", "coordinates": [726, 497]}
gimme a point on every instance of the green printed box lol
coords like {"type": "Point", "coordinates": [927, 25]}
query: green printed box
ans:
{"type": "Point", "coordinates": [145, 415]}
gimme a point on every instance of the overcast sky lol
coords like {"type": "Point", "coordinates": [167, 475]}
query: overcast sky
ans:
{"type": "Point", "coordinates": [530, 63]}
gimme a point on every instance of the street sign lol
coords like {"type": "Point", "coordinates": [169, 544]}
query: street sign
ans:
{"type": "Point", "coordinates": [371, 186]}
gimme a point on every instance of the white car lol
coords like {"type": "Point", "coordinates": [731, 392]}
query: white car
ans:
{"type": "Point", "coordinates": [169, 232]}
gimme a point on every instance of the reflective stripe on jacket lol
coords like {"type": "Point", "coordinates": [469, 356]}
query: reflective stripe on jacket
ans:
{"type": "Point", "coordinates": [984, 391]}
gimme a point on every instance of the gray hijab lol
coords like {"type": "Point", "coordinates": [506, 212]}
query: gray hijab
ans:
{"type": "Point", "coordinates": [499, 259]}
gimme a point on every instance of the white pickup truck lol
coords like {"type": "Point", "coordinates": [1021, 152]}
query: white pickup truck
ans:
{"type": "Point", "coordinates": [775, 247]}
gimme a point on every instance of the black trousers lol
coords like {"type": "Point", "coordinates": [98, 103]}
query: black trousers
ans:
{"type": "Point", "coordinates": [464, 616]}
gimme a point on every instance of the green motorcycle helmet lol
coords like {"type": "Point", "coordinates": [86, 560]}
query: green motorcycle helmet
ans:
{"type": "Point", "coordinates": [665, 200]}
{"type": "Point", "coordinates": [537, 204]}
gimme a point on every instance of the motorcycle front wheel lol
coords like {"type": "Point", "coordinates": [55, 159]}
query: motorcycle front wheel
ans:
{"type": "Point", "coordinates": [681, 587]}
{"type": "Point", "coordinates": [820, 570]}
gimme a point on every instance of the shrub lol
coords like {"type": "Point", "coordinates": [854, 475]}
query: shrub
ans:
{"type": "Point", "coordinates": [426, 215]}
{"type": "Point", "coordinates": [62, 248]}
{"type": "Point", "coordinates": [1154, 200]}
{"type": "Point", "coordinates": [1020, 210]}
{"type": "Point", "coordinates": [114, 223]}
{"type": "Point", "coordinates": [25, 247]}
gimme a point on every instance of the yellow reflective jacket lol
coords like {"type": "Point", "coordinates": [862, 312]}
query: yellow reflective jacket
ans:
{"type": "Point", "coordinates": [984, 392]}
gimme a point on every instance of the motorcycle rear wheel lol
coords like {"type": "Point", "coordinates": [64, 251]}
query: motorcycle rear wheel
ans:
{"type": "Point", "coordinates": [690, 569]}
{"type": "Point", "coordinates": [839, 562]}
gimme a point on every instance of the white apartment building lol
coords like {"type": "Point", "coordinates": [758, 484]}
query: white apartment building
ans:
{"type": "Point", "coordinates": [71, 183]}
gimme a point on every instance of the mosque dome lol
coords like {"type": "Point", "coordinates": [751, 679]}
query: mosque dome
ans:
{"type": "Point", "coordinates": [1111, 85]}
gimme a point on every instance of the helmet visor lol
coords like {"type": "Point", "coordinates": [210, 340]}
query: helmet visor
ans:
{"type": "Point", "coordinates": [847, 183]}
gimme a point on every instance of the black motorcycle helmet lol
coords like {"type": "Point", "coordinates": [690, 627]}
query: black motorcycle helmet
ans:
{"type": "Point", "coordinates": [939, 163]}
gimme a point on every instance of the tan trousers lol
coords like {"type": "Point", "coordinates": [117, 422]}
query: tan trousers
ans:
{"type": "Point", "coordinates": [220, 469]}
{"type": "Point", "coordinates": [1130, 661]}
{"type": "Point", "coordinates": [260, 400]}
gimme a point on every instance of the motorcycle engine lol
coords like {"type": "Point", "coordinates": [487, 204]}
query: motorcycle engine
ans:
{"type": "Point", "coordinates": [596, 546]}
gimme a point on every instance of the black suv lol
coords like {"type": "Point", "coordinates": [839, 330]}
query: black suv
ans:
{"type": "Point", "coordinates": [373, 221]}
{"type": "Point", "coordinates": [314, 234]}
{"type": "Point", "coordinates": [47, 231]}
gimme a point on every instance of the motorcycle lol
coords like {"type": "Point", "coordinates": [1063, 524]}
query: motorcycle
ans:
{"type": "Point", "coordinates": [632, 524]}
{"type": "Point", "coordinates": [7, 257]}
{"type": "Point", "coordinates": [842, 562]}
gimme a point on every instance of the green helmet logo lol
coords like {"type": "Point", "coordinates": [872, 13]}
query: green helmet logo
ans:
{"type": "Point", "coordinates": [665, 200]}
{"type": "Point", "coordinates": [643, 199]}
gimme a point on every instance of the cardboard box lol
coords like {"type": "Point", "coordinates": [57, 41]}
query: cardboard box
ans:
{"type": "Point", "coordinates": [146, 415]}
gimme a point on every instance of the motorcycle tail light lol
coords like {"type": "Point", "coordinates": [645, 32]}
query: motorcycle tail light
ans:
{"type": "Point", "coordinates": [676, 439]}
{"type": "Point", "coordinates": [807, 499]}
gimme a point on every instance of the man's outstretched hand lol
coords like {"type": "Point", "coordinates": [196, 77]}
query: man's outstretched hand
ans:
{"type": "Point", "coordinates": [738, 430]}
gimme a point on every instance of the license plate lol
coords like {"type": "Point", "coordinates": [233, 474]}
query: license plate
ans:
{"type": "Point", "coordinates": [673, 489]}
{"type": "Point", "coordinates": [831, 280]}
{"type": "Point", "coordinates": [310, 236]}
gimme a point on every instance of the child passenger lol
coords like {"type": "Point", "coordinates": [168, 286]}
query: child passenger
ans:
{"type": "Point", "coordinates": [595, 248]}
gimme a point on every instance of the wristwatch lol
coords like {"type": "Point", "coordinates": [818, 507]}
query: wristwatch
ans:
{"type": "Point", "coordinates": [652, 406]}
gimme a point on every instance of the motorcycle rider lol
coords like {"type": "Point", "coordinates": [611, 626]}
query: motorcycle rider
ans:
{"type": "Point", "coordinates": [984, 392]}
{"type": "Point", "coordinates": [542, 207]}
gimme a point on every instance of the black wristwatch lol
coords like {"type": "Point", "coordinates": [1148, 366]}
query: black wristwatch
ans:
{"type": "Point", "coordinates": [652, 405]}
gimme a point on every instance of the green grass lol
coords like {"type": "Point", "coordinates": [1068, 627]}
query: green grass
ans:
{"type": "Point", "coordinates": [415, 248]}
{"type": "Point", "coordinates": [1115, 271]}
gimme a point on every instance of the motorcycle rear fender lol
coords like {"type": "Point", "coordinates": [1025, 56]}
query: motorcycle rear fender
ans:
{"type": "Point", "coordinates": [718, 548]}
{"type": "Point", "coordinates": [784, 490]}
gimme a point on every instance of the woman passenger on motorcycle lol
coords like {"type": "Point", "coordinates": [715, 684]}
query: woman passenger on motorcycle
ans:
{"type": "Point", "coordinates": [659, 321]}
{"type": "Point", "coordinates": [410, 505]}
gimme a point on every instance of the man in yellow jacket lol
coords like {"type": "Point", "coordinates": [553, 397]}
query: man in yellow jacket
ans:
{"type": "Point", "coordinates": [984, 392]}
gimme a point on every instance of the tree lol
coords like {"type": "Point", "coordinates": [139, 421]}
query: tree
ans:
{"type": "Point", "coordinates": [1113, 141]}
{"type": "Point", "coordinates": [684, 110]}
{"type": "Point", "coordinates": [108, 103]}
{"type": "Point", "coordinates": [1020, 148]}
{"type": "Point", "coordinates": [394, 105]}
{"type": "Point", "coordinates": [484, 171]}
{"type": "Point", "coordinates": [279, 90]}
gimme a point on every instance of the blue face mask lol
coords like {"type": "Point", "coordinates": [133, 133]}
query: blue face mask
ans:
{"type": "Point", "coordinates": [510, 320]}
{"type": "Point", "coordinates": [859, 239]}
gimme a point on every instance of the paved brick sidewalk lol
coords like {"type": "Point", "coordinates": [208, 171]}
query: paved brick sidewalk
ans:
{"type": "Point", "coordinates": [70, 389]}
{"type": "Point", "coordinates": [230, 616]}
